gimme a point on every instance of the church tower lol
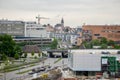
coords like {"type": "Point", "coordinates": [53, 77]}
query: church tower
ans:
{"type": "Point", "coordinates": [62, 22]}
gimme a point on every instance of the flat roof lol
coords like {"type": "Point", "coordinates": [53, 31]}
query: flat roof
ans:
{"type": "Point", "coordinates": [94, 51]}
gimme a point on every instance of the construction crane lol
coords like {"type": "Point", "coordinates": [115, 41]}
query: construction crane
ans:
{"type": "Point", "coordinates": [39, 18]}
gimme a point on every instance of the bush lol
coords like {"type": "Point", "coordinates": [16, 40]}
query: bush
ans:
{"type": "Point", "coordinates": [35, 57]}
{"type": "Point", "coordinates": [25, 55]}
{"type": "Point", "coordinates": [104, 46]}
{"type": "Point", "coordinates": [16, 56]}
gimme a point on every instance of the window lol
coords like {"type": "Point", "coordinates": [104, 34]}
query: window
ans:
{"type": "Point", "coordinates": [96, 34]}
{"type": "Point", "coordinates": [118, 31]}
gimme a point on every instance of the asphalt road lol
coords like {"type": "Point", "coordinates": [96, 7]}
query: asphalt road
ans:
{"type": "Point", "coordinates": [49, 61]}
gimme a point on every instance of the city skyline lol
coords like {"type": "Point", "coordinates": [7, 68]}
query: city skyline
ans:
{"type": "Point", "coordinates": [74, 12]}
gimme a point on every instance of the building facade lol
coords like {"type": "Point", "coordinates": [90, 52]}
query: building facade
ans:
{"type": "Point", "coordinates": [85, 61]}
{"type": "Point", "coordinates": [13, 28]}
{"type": "Point", "coordinates": [111, 32]}
{"type": "Point", "coordinates": [35, 30]}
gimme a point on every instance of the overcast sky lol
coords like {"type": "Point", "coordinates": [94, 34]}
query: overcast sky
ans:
{"type": "Point", "coordinates": [74, 12]}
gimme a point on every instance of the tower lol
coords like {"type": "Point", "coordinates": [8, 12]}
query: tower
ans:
{"type": "Point", "coordinates": [62, 22]}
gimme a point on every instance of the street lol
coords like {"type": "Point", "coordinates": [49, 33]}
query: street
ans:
{"type": "Point", "coordinates": [49, 61]}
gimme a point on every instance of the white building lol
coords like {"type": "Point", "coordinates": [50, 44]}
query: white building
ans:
{"type": "Point", "coordinates": [73, 39]}
{"type": "Point", "coordinates": [90, 60]}
{"type": "Point", "coordinates": [80, 60]}
{"type": "Point", "coordinates": [35, 30]}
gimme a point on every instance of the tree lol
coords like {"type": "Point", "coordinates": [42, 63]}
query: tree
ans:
{"type": "Point", "coordinates": [25, 54]}
{"type": "Point", "coordinates": [7, 45]}
{"type": "Point", "coordinates": [95, 42]}
{"type": "Point", "coordinates": [35, 57]}
{"type": "Point", "coordinates": [103, 40]}
{"type": "Point", "coordinates": [39, 54]}
{"type": "Point", "coordinates": [104, 46]}
{"type": "Point", "coordinates": [54, 44]}
{"type": "Point", "coordinates": [32, 53]}
{"type": "Point", "coordinates": [16, 56]}
{"type": "Point", "coordinates": [4, 57]}
{"type": "Point", "coordinates": [117, 46]}
{"type": "Point", "coordinates": [18, 50]}
{"type": "Point", "coordinates": [111, 43]}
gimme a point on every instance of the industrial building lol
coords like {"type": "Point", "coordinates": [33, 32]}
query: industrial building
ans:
{"type": "Point", "coordinates": [93, 61]}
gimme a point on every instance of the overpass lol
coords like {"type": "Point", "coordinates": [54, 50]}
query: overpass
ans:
{"type": "Point", "coordinates": [55, 53]}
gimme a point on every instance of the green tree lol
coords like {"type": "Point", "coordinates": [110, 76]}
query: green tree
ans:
{"type": "Point", "coordinates": [32, 53]}
{"type": "Point", "coordinates": [4, 57]}
{"type": "Point", "coordinates": [35, 57]}
{"type": "Point", "coordinates": [54, 44]}
{"type": "Point", "coordinates": [39, 54]}
{"type": "Point", "coordinates": [104, 46]}
{"type": "Point", "coordinates": [103, 40]}
{"type": "Point", "coordinates": [111, 43]}
{"type": "Point", "coordinates": [25, 54]}
{"type": "Point", "coordinates": [117, 46]}
{"type": "Point", "coordinates": [18, 50]}
{"type": "Point", "coordinates": [7, 45]}
{"type": "Point", "coordinates": [16, 56]}
{"type": "Point", "coordinates": [95, 42]}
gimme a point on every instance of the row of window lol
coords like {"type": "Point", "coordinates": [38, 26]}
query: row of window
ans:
{"type": "Point", "coordinates": [12, 32]}
{"type": "Point", "coordinates": [111, 31]}
{"type": "Point", "coordinates": [35, 28]}
{"type": "Point", "coordinates": [109, 27]}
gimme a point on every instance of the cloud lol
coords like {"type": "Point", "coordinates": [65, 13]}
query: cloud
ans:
{"type": "Point", "coordinates": [90, 11]}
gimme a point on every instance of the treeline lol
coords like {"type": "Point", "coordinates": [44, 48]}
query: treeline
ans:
{"type": "Point", "coordinates": [103, 43]}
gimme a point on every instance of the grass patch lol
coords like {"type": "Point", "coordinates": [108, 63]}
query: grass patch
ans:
{"type": "Point", "coordinates": [31, 65]}
{"type": "Point", "coordinates": [57, 60]}
{"type": "Point", "coordinates": [23, 72]}
{"type": "Point", "coordinates": [12, 67]}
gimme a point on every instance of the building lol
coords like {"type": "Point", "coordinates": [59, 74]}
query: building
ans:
{"type": "Point", "coordinates": [13, 28]}
{"type": "Point", "coordinates": [111, 32]}
{"type": "Point", "coordinates": [73, 39]}
{"type": "Point", "coordinates": [93, 61]}
{"type": "Point", "coordinates": [32, 49]}
{"type": "Point", "coordinates": [35, 30]}
{"type": "Point", "coordinates": [41, 42]}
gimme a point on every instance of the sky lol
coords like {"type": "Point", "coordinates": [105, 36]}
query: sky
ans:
{"type": "Point", "coordinates": [74, 12]}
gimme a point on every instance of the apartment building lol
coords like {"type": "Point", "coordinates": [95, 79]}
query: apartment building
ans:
{"type": "Point", "coordinates": [111, 32]}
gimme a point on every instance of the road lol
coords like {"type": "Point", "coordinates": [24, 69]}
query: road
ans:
{"type": "Point", "coordinates": [48, 61]}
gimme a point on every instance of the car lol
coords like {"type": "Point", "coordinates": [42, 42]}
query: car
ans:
{"type": "Point", "coordinates": [30, 73]}
{"type": "Point", "coordinates": [42, 69]}
{"type": "Point", "coordinates": [49, 66]}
